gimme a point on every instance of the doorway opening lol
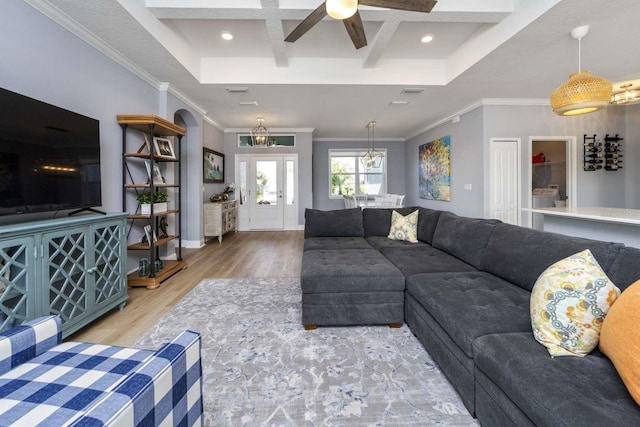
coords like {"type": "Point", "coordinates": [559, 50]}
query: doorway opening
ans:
{"type": "Point", "coordinates": [552, 175]}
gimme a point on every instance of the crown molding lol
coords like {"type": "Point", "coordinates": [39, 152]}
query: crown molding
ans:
{"type": "Point", "coordinates": [347, 139]}
{"type": "Point", "coordinates": [87, 36]}
{"type": "Point", "coordinates": [271, 130]}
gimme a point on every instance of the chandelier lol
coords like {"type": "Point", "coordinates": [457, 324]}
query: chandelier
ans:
{"type": "Point", "coordinates": [260, 135]}
{"type": "Point", "coordinates": [627, 93]}
{"type": "Point", "coordinates": [372, 158]}
{"type": "Point", "coordinates": [583, 93]}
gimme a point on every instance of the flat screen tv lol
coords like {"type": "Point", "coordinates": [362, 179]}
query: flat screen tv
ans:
{"type": "Point", "coordinates": [49, 157]}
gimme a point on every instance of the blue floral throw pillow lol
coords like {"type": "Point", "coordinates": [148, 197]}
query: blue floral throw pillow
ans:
{"type": "Point", "coordinates": [404, 227]}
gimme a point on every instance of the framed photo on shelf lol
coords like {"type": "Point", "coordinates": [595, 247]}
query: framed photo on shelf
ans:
{"type": "Point", "coordinates": [163, 147]}
{"type": "Point", "coordinates": [154, 172]}
{"type": "Point", "coordinates": [150, 234]}
{"type": "Point", "coordinates": [212, 166]}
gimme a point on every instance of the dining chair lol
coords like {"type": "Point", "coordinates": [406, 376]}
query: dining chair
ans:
{"type": "Point", "coordinates": [385, 202]}
{"type": "Point", "coordinates": [361, 199]}
{"type": "Point", "coordinates": [349, 202]}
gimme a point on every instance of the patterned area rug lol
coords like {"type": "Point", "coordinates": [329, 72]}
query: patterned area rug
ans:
{"type": "Point", "coordinates": [261, 368]}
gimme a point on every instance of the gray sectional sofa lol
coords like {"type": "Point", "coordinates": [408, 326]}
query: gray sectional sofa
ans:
{"type": "Point", "coordinates": [464, 291]}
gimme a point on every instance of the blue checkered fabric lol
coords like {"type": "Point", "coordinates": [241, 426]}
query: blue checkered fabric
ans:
{"type": "Point", "coordinates": [165, 390]}
{"type": "Point", "coordinates": [28, 340]}
{"type": "Point", "coordinates": [85, 384]}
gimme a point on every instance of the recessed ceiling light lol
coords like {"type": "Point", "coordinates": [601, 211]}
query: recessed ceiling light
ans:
{"type": "Point", "coordinates": [427, 38]}
{"type": "Point", "coordinates": [226, 35]}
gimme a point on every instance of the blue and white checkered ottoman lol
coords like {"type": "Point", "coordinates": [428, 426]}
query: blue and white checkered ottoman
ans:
{"type": "Point", "coordinates": [45, 383]}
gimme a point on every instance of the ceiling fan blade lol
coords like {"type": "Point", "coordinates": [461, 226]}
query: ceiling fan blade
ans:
{"type": "Point", "coordinates": [411, 5]}
{"type": "Point", "coordinates": [356, 30]}
{"type": "Point", "coordinates": [311, 20]}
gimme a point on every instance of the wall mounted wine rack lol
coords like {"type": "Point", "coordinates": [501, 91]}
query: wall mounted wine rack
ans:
{"type": "Point", "coordinates": [599, 154]}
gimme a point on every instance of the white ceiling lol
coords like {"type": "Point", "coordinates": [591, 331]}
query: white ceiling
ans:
{"type": "Point", "coordinates": [499, 49]}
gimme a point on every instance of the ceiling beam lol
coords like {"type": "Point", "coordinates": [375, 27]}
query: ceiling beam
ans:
{"type": "Point", "coordinates": [276, 33]}
{"type": "Point", "coordinates": [380, 42]}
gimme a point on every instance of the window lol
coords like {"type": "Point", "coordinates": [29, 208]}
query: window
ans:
{"type": "Point", "coordinates": [348, 176]}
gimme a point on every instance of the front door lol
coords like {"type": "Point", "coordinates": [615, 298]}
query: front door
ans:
{"type": "Point", "coordinates": [266, 195]}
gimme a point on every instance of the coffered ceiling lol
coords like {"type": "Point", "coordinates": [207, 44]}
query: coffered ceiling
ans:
{"type": "Point", "coordinates": [498, 49]}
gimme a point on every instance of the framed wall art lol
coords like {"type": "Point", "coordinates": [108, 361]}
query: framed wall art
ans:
{"type": "Point", "coordinates": [212, 166]}
{"type": "Point", "coordinates": [435, 169]}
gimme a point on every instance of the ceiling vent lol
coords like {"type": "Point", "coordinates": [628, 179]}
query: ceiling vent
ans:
{"type": "Point", "coordinates": [252, 103]}
{"type": "Point", "coordinates": [412, 90]}
{"type": "Point", "coordinates": [237, 89]}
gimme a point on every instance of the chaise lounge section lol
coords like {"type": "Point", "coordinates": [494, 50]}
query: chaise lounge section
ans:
{"type": "Point", "coordinates": [467, 290]}
{"type": "Point", "coordinates": [46, 382]}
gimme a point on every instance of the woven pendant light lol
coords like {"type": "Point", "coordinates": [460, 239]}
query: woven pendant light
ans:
{"type": "Point", "coordinates": [583, 93]}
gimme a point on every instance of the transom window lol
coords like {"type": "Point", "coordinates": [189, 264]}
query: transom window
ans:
{"type": "Point", "coordinates": [347, 176]}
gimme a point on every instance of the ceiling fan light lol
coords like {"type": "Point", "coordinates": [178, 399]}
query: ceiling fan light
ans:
{"type": "Point", "coordinates": [582, 94]}
{"type": "Point", "coordinates": [341, 9]}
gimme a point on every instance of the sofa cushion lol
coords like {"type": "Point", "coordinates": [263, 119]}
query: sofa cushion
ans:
{"type": "Point", "coordinates": [427, 223]}
{"type": "Point", "coordinates": [625, 269]}
{"type": "Point", "coordinates": [568, 304]}
{"type": "Point", "coordinates": [377, 221]}
{"type": "Point", "coordinates": [424, 259]}
{"type": "Point", "coordinates": [404, 227]}
{"type": "Point", "coordinates": [349, 270]}
{"type": "Point", "coordinates": [338, 223]}
{"type": "Point", "coordinates": [328, 243]}
{"type": "Point", "coordinates": [464, 238]}
{"type": "Point", "coordinates": [382, 242]}
{"type": "Point", "coordinates": [620, 338]}
{"type": "Point", "coordinates": [511, 249]}
{"type": "Point", "coordinates": [471, 304]}
{"type": "Point", "coordinates": [560, 391]}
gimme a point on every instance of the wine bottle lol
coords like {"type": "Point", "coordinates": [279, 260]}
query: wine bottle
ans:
{"type": "Point", "coordinates": [612, 155]}
{"type": "Point", "coordinates": [594, 155]}
{"type": "Point", "coordinates": [612, 167]}
{"type": "Point", "coordinates": [613, 138]}
{"type": "Point", "coordinates": [593, 161]}
{"type": "Point", "coordinates": [592, 167]}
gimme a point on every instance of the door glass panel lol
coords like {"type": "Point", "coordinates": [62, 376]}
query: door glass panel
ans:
{"type": "Point", "coordinates": [266, 182]}
{"type": "Point", "coordinates": [243, 182]}
{"type": "Point", "coordinates": [291, 177]}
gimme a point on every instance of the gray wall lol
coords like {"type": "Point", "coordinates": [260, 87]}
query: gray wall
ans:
{"type": "Point", "coordinates": [466, 165]}
{"type": "Point", "coordinates": [395, 169]}
{"type": "Point", "coordinates": [42, 60]}
{"type": "Point", "coordinates": [470, 154]}
{"type": "Point", "coordinates": [303, 149]}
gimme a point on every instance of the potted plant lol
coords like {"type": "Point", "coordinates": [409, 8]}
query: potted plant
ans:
{"type": "Point", "coordinates": [159, 202]}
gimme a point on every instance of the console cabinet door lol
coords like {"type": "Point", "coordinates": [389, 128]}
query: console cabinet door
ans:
{"type": "Point", "coordinates": [65, 265]}
{"type": "Point", "coordinates": [108, 269]}
{"type": "Point", "coordinates": [17, 281]}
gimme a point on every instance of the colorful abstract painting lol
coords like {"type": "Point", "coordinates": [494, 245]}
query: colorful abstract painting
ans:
{"type": "Point", "coordinates": [435, 170]}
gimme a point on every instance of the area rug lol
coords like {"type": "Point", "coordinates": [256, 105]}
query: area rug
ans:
{"type": "Point", "coordinates": [261, 368]}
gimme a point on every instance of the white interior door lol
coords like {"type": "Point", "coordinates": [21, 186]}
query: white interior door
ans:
{"type": "Point", "coordinates": [504, 178]}
{"type": "Point", "coordinates": [266, 193]}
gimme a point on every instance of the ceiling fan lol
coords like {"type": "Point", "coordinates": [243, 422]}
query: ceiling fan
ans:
{"type": "Point", "coordinates": [347, 10]}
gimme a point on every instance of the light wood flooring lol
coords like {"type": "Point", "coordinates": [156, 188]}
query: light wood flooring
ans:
{"type": "Point", "coordinates": [242, 254]}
